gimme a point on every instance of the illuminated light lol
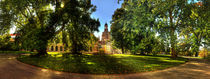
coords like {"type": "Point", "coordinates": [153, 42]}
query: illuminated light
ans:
{"type": "Point", "coordinates": [44, 70]}
{"type": "Point", "coordinates": [11, 58]}
{"type": "Point", "coordinates": [62, 5]}
{"type": "Point", "coordinates": [90, 63]}
{"type": "Point", "coordinates": [58, 73]}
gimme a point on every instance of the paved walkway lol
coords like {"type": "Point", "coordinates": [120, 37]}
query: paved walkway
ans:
{"type": "Point", "coordinates": [10, 68]}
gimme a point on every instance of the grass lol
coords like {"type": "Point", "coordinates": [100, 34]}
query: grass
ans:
{"type": "Point", "coordinates": [103, 64]}
{"type": "Point", "coordinates": [208, 57]}
{"type": "Point", "coordinates": [14, 52]}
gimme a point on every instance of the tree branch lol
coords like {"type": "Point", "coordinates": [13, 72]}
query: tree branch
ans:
{"type": "Point", "coordinates": [63, 26]}
{"type": "Point", "coordinates": [18, 23]}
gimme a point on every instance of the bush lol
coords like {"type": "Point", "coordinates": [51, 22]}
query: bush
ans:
{"type": "Point", "coordinates": [203, 53]}
{"type": "Point", "coordinates": [6, 44]}
{"type": "Point", "coordinates": [101, 52]}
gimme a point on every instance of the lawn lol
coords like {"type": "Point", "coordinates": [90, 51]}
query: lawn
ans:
{"type": "Point", "coordinates": [103, 64]}
{"type": "Point", "coordinates": [208, 57]}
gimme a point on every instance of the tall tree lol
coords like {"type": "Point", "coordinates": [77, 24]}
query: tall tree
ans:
{"type": "Point", "coordinates": [117, 31]}
{"type": "Point", "coordinates": [39, 21]}
{"type": "Point", "coordinates": [132, 26]}
{"type": "Point", "coordinates": [197, 23]}
{"type": "Point", "coordinates": [169, 15]}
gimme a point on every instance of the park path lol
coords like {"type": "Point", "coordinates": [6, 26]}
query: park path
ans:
{"type": "Point", "coordinates": [10, 68]}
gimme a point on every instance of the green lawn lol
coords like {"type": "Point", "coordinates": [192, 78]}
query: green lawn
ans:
{"type": "Point", "coordinates": [208, 57]}
{"type": "Point", "coordinates": [103, 64]}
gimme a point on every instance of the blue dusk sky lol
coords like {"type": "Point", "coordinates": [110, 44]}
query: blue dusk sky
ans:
{"type": "Point", "coordinates": [104, 11]}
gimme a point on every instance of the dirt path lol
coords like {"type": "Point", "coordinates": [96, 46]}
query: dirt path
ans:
{"type": "Point", "coordinates": [10, 68]}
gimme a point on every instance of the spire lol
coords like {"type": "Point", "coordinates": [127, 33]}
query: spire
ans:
{"type": "Point", "coordinates": [106, 24]}
{"type": "Point", "coordinates": [106, 27]}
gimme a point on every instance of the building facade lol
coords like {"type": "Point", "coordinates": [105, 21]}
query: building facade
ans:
{"type": "Point", "coordinates": [56, 48]}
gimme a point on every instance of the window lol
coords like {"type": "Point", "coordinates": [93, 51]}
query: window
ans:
{"type": "Point", "coordinates": [52, 49]}
{"type": "Point", "coordinates": [91, 49]}
{"type": "Point", "coordinates": [49, 49]}
{"type": "Point", "coordinates": [61, 48]}
{"type": "Point", "coordinates": [56, 48]}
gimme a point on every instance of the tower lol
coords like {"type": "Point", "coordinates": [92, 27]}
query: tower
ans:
{"type": "Point", "coordinates": [105, 41]}
{"type": "Point", "coordinates": [106, 27]}
{"type": "Point", "coordinates": [105, 35]}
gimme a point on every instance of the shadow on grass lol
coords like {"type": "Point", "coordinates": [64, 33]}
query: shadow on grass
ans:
{"type": "Point", "coordinates": [102, 64]}
{"type": "Point", "coordinates": [94, 64]}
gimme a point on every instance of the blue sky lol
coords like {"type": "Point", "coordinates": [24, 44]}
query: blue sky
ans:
{"type": "Point", "coordinates": [104, 11]}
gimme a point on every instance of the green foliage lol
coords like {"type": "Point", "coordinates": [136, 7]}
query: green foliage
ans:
{"type": "Point", "coordinates": [132, 28]}
{"type": "Point", "coordinates": [103, 64]}
{"type": "Point", "coordinates": [197, 24]}
{"type": "Point", "coordinates": [6, 44]}
{"type": "Point", "coordinates": [117, 32]}
{"type": "Point", "coordinates": [15, 52]}
{"type": "Point", "coordinates": [181, 25]}
{"type": "Point", "coordinates": [39, 21]}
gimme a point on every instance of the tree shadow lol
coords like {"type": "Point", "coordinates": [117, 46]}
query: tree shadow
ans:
{"type": "Point", "coordinates": [95, 64]}
{"type": "Point", "coordinates": [101, 63]}
{"type": "Point", "coordinates": [111, 65]}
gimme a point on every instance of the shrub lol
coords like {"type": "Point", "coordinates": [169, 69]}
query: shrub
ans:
{"type": "Point", "coordinates": [203, 53]}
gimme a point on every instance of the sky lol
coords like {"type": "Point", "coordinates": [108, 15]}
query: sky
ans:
{"type": "Point", "coordinates": [104, 11]}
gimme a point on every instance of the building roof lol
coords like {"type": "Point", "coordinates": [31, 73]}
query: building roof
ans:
{"type": "Point", "coordinates": [13, 34]}
{"type": "Point", "coordinates": [199, 3]}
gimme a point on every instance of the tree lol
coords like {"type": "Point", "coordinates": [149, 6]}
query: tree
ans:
{"type": "Point", "coordinates": [4, 42]}
{"type": "Point", "coordinates": [197, 23]}
{"type": "Point", "coordinates": [169, 16]}
{"type": "Point", "coordinates": [38, 21]}
{"type": "Point", "coordinates": [168, 19]}
{"type": "Point", "coordinates": [117, 31]}
{"type": "Point", "coordinates": [132, 26]}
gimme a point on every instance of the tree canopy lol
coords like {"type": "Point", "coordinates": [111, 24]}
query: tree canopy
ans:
{"type": "Point", "coordinates": [38, 21]}
{"type": "Point", "coordinates": [140, 22]}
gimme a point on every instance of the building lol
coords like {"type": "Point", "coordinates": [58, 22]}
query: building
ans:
{"type": "Point", "coordinates": [105, 35]}
{"type": "Point", "coordinates": [105, 42]}
{"type": "Point", "coordinates": [12, 39]}
{"type": "Point", "coordinates": [53, 47]}
{"type": "Point", "coordinates": [94, 46]}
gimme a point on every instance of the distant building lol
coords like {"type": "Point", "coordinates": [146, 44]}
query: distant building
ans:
{"type": "Point", "coordinates": [105, 35]}
{"type": "Point", "coordinates": [53, 47]}
{"type": "Point", "coordinates": [94, 46]}
{"type": "Point", "coordinates": [12, 39]}
{"type": "Point", "coordinates": [105, 42]}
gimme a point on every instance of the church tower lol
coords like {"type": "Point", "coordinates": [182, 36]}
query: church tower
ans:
{"type": "Point", "coordinates": [105, 35]}
{"type": "Point", "coordinates": [105, 41]}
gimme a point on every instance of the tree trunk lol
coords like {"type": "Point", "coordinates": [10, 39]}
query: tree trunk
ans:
{"type": "Point", "coordinates": [196, 54]}
{"type": "Point", "coordinates": [197, 48]}
{"type": "Point", "coordinates": [75, 49]}
{"type": "Point", "coordinates": [172, 36]}
{"type": "Point", "coordinates": [42, 52]}
{"type": "Point", "coordinates": [198, 39]}
{"type": "Point", "coordinates": [173, 40]}
{"type": "Point", "coordinates": [123, 52]}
